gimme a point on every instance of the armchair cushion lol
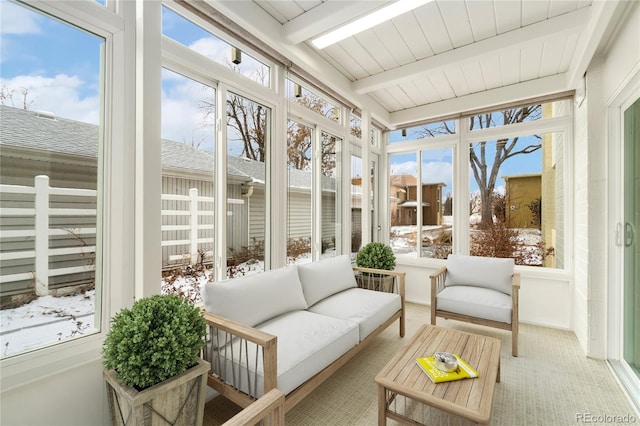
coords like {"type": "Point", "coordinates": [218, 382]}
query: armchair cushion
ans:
{"type": "Point", "coordinates": [326, 277]}
{"type": "Point", "coordinates": [487, 272]}
{"type": "Point", "coordinates": [476, 302]}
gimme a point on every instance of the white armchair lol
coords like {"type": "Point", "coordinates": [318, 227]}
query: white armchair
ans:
{"type": "Point", "coordinates": [479, 290]}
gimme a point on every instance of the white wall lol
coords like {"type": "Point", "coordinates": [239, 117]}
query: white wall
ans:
{"type": "Point", "coordinates": [605, 76]}
{"type": "Point", "coordinates": [73, 397]}
{"type": "Point", "coordinates": [545, 298]}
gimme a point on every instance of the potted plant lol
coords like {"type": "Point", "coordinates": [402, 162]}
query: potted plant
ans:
{"type": "Point", "coordinates": [152, 368]}
{"type": "Point", "coordinates": [376, 255]}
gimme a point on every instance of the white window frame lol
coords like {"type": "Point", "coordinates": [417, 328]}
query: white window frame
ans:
{"type": "Point", "coordinates": [460, 142]}
{"type": "Point", "coordinates": [115, 266]}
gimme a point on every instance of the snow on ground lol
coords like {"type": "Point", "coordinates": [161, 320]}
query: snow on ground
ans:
{"type": "Point", "coordinates": [48, 320]}
{"type": "Point", "coordinates": [45, 321]}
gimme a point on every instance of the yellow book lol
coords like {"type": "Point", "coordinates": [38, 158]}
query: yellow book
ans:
{"type": "Point", "coordinates": [430, 366]}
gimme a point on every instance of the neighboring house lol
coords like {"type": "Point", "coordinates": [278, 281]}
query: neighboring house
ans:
{"type": "Point", "coordinates": [404, 190]}
{"type": "Point", "coordinates": [33, 143]}
{"type": "Point", "coordinates": [520, 192]}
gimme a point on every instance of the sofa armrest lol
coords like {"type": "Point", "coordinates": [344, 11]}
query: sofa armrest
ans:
{"type": "Point", "coordinates": [225, 332]}
{"type": "Point", "coordinates": [268, 409]}
{"type": "Point", "coordinates": [437, 285]}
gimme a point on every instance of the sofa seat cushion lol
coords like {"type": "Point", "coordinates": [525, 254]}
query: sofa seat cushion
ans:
{"type": "Point", "coordinates": [325, 277]}
{"type": "Point", "coordinates": [487, 272]}
{"type": "Point", "coordinates": [255, 298]}
{"type": "Point", "coordinates": [307, 343]}
{"type": "Point", "coordinates": [370, 309]}
{"type": "Point", "coordinates": [477, 302]}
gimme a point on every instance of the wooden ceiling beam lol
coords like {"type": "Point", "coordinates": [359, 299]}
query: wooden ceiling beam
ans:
{"type": "Point", "coordinates": [325, 17]}
{"type": "Point", "coordinates": [566, 23]}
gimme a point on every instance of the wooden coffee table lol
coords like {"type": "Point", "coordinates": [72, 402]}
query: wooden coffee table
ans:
{"type": "Point", "coordinates": [468, 398]}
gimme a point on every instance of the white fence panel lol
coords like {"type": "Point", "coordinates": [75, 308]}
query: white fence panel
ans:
{"type": "Point", "coordinates": [196, 208]}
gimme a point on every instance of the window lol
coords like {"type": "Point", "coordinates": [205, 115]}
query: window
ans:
{"type": "Point", "coordinates": [436, 169]}
{"type": "Point", "coordinates": [50, 180]}
{"type": "Point", "coordinates": [316, 103]}
{"type": "Point", "coordinates": [516, 188]}
{"type": "Point", "coordinates": [188, 115]}
{"type": "Point", "coordinates": [403, 180]}
{"type": "Point", "coordinates": [248, 135]}
{"type": "Point", "coordinates": [429, 130]}
{"type": "Point", "coordinates": [356, 204]}
{"type": "Point", "coordinates": [330, 186]}
{"type": "Point", "coordinates": [355, 126]}
{"type": "Point", "coordinates": [205, 43]}
{"type": "Point", "coordinates": [299, 199]}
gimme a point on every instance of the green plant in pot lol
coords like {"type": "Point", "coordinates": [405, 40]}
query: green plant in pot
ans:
{"type": "Point", "coordinates": [376, 255]}
{"type": "Point", "coordinates": [152, 348]}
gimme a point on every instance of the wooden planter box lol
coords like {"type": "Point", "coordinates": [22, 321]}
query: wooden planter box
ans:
{"type": "Point", "coordinates": [178, 401]}
{"type": "Point", "coordinates": [371, 282]}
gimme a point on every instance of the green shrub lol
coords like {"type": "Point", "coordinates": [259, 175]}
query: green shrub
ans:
{"type": "Point", "coordinates": [376, 255]}
{"type": "Point", "coordinates": [157, 338]}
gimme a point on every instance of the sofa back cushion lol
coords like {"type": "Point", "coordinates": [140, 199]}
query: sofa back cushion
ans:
{"type": "Point", "coordinates": [253, 299]}
{"type": "Point", "coordinates": [487, 272]}
{"type": "Point", "coordinates": [325, 277]}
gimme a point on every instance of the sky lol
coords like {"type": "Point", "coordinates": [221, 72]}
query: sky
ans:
{"type": "Point", "coordinates": [437, 163]}
{"type": "Point", "coordinates": [57, 64]}
{"type": "Point", "coordinates": [60, 67]}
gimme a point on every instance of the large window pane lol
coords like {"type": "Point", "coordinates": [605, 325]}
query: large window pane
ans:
{"type": "Point", "coordinates": [516, 198]}
{"type": "Point", "coordinates": [403, 180]}
{"type": "Point", "coordinates": [50, 192]}
{"type": "Point", "coordinates": [330, 185]}
{"type": "Point", "coordinates": [188, 112]}
{"type": "Point", "coordinates": [437, 202]}
{"type": "Point", "coordinates": [248, 134]}
{"type": "Point", "coordinates": [356, 204]}
{"type": "Point", "coordinates": [299, 200]}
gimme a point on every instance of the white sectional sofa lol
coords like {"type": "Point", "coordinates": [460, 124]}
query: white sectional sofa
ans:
{"type": "Point", "coordinates": [291, 328]}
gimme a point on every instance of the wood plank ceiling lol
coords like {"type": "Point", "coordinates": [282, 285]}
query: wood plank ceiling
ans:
{"type": "Point", "coordinates": [448, 49]}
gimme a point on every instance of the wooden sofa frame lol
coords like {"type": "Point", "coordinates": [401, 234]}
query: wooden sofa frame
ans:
{"type": "Point", "coordinates": [437, 285]}
{"type": "Point", "coordinates": [267, 410]}
{"type": "Point", "coordinates": [268, 345]}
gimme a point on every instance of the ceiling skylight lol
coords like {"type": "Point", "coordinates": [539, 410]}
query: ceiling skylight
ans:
{"type": "Point", "coordinates": [367, 21]}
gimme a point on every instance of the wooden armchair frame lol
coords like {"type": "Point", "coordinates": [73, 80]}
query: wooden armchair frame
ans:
{"type": "Point", "coordinates": [437, 285]}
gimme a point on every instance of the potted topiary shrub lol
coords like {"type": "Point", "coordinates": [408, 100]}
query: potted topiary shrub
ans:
{"type": "Point", "coordinates": [376, 255]}
{"type": "Point", "coordinates": [152, 368]}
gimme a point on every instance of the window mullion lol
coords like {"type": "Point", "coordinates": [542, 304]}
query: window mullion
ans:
{"type": "Point", "coordinates": [461, 211]}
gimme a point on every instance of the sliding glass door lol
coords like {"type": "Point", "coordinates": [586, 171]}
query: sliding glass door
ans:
{"type": "Point", "coordinates": [631, 290]}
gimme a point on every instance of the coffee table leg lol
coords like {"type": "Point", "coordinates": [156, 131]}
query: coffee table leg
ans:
{"type": "Point", "coordinates": [498, 375]}
{"type": "Point", "coordinates": [382, 406]}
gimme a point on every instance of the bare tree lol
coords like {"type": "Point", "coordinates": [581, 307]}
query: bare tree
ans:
{"type": "Point", "coordinates": [299, 146]}
{"type": "Point", "coordinates": [6, 96]}
{"type": "Point", "coordinates": [484, 168]}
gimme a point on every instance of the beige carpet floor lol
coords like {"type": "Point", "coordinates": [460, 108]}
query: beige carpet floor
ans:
{"type": "Point", "coordinates": [550, 383]}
